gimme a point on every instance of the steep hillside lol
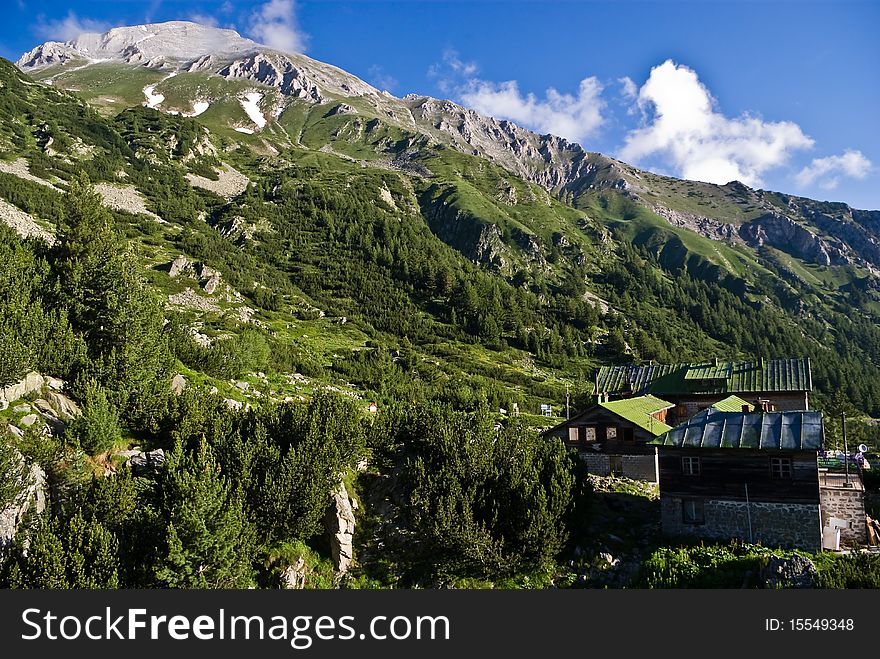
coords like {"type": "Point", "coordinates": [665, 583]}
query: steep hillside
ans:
{"type": "Point", "coordinates": [415, 218]}
{"type": "Point", "coordinates": [217, 257]}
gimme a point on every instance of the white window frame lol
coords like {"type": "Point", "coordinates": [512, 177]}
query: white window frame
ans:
{"type": "Point", "coordinates": [688, 463]}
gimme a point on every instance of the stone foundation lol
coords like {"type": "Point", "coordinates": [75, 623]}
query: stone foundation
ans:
{"type": "Point", "coordinates": [848, 506]}
{"type": "Point", "coordinates": [636, 467]}
{"type": "Point", "coordinates": [785, 525]}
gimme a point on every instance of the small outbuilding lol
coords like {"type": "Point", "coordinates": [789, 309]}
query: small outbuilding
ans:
{"type": "Point", "coordinates": [613, 437]}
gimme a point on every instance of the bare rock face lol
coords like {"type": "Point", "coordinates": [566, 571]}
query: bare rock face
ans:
{"type": "Point", "coordinates": [210, 279]}
{"type": "Point", "coordinates": [154, 45]}
{"type": "Point", "coordinates": [275, 71]}
{"type": "Point", "coordinates": [64, 407]}
{"type": "Point", "coordinates": [294, 576]}
{"type": "Point", "coordinates": [32, 499]}
{"type": "Point", "coordinates": [786, 234]}
{"type": "Point", "coordinates": [340, 523]}
{"type": "Point", "coordinates": [705, 226]}
{"type": "Point", "coordinates": [32, 382]}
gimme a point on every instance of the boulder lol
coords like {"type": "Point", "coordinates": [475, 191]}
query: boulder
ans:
{"type": "Point", "coordinates": [178, 384]}
{"type": "Point", "coordinates": [21, 409]}
{"type": "Point", "coordinates": [339, 522]}
{"type": "Point", "coordinates": [145, 464]}
{"type": "Point", "coordinates": [179, 266]}
{"type": "Point", "coordinates": [211, 284]}
{"type": "Point", "coordinates": [794, 572]}
{"type": "Point", "coordinates": [29, 420]}
{"type": "Point", "coordinates": [55, 383]}
{"type": "Point", "coordinates": [50, 416]}
{"type": "Point", "coordinates": [294, 576]}
{"type": "Point", "coordinates": [64, 406]}
{"type": "Point", "coordinates": [31, 382]}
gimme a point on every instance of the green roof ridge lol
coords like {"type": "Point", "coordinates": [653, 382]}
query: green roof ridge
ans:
{"type": "Point", "coordinates": [638, 410]}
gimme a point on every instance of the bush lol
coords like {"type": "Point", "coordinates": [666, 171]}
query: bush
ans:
{"type": "Point", "coordinates": [849, 571]}
{"type": "Point", "coordinates": [98, 429]}
{"type": "Point", "coordinates": [702, 566]}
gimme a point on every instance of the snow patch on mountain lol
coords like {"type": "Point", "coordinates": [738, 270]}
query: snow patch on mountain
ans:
{"type": "Point", "coordinates": [198, 108]}
{"type": "Point", "coordinates": [251, 106]}
{"type": "Point", "coordinates": [153, 99]}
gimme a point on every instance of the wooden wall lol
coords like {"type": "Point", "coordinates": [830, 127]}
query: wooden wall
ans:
{"type": "Point", "coordinates": [724, 473]}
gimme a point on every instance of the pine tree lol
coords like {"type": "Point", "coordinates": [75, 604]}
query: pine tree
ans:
{"type": "Point", "coordinates": [208, 540]}
{"type": "Point", "coordinates": [67, 554]}
{"type": "Point", "coordinates": [98, 282]}
{"type": "Point", "coordinates": [97, 429]}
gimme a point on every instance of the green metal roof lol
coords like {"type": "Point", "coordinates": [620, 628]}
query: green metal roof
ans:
{"type": "Point", "coordinates": [732, 404]}
{"type": "Point", "coordinates": [713, 429]}
{"type": "Point", "coordinates": [638, 410]}
{"type": "Point", "coordinates": [712, 377]}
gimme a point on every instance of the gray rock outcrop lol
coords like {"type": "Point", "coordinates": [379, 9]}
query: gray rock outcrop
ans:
{"type": "Point", "coordinates": [784, 233]}
{"type": "Point", "coordinates": [147, 463]}
{"type": "Point", "coordinates": [794, 572]}
{"type": "Point", "coordinates": [294, 576]}
{"type": "Point", "coordinates": [178, 384]}
{"type": "Point", "coordinates": [180, 266]}
{"type": "Point", "coordinates": [31, 382]}
{"type": "Point", "coordinates": [339, 522]}
{"type": "Point", "coordinates": [31, 499]}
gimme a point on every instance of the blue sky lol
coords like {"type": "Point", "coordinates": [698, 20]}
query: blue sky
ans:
{"type": "Point", "coordinates": [783, 95]}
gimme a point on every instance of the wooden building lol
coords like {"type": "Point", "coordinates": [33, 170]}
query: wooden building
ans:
{"type": "Point", "coordinates": [769, 384]}
{"type": "Point", "coordinates": [613, 437]}
{"type": "Point", "coordinates": [748, 476]}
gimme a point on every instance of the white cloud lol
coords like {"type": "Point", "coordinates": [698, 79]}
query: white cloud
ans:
{"type": "Point", "coordinates": [827, 171]}
{"type": "Point", "coordinates": [380, 79]}
{"type": "Point", "coordinates": [451, 70]}
{"type": "Point", "coordinates": [684, 128]}
{"type": "Point", "coordinates": [204, 19]}
{"type": "Point", "coordinates": [274, 24]}
{"type": "Point", "coordinates": [68, 28]}
{"type": "Point", "coordinates": [628, 89]}
{"type": "Point", "coordinates": [569, 116]}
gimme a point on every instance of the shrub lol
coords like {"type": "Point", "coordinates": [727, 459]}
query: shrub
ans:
{"type": "Point", "coordinates": [98, 429]}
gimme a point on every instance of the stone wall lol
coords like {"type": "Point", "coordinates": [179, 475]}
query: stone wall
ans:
{"type": "Point", "coordinates": [597, 463]}
{"type": "Point", "coordinates": [786, 525]}
{"type": "Point", "coordinates": [847, 504]}
{"type": "Point", "coordinates": [637, 467]}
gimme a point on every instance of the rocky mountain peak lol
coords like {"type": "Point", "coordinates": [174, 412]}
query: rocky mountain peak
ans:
{"type": "Point", "coordinates": [174, 41]}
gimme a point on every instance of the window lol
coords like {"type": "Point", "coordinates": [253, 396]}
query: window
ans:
{"type": "Point", "coordinates": [780, 467]}
{"type": "Point", "coordinates": [692, 511]}
{"type": "Point", "coordinates": [690, 466]}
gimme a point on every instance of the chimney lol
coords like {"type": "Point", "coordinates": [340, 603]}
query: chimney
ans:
{"type": "Point", "coordinates": [746, 408]}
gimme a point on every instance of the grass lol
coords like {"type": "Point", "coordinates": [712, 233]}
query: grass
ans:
{"type": "Point", "coordinates": [98, 82]}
